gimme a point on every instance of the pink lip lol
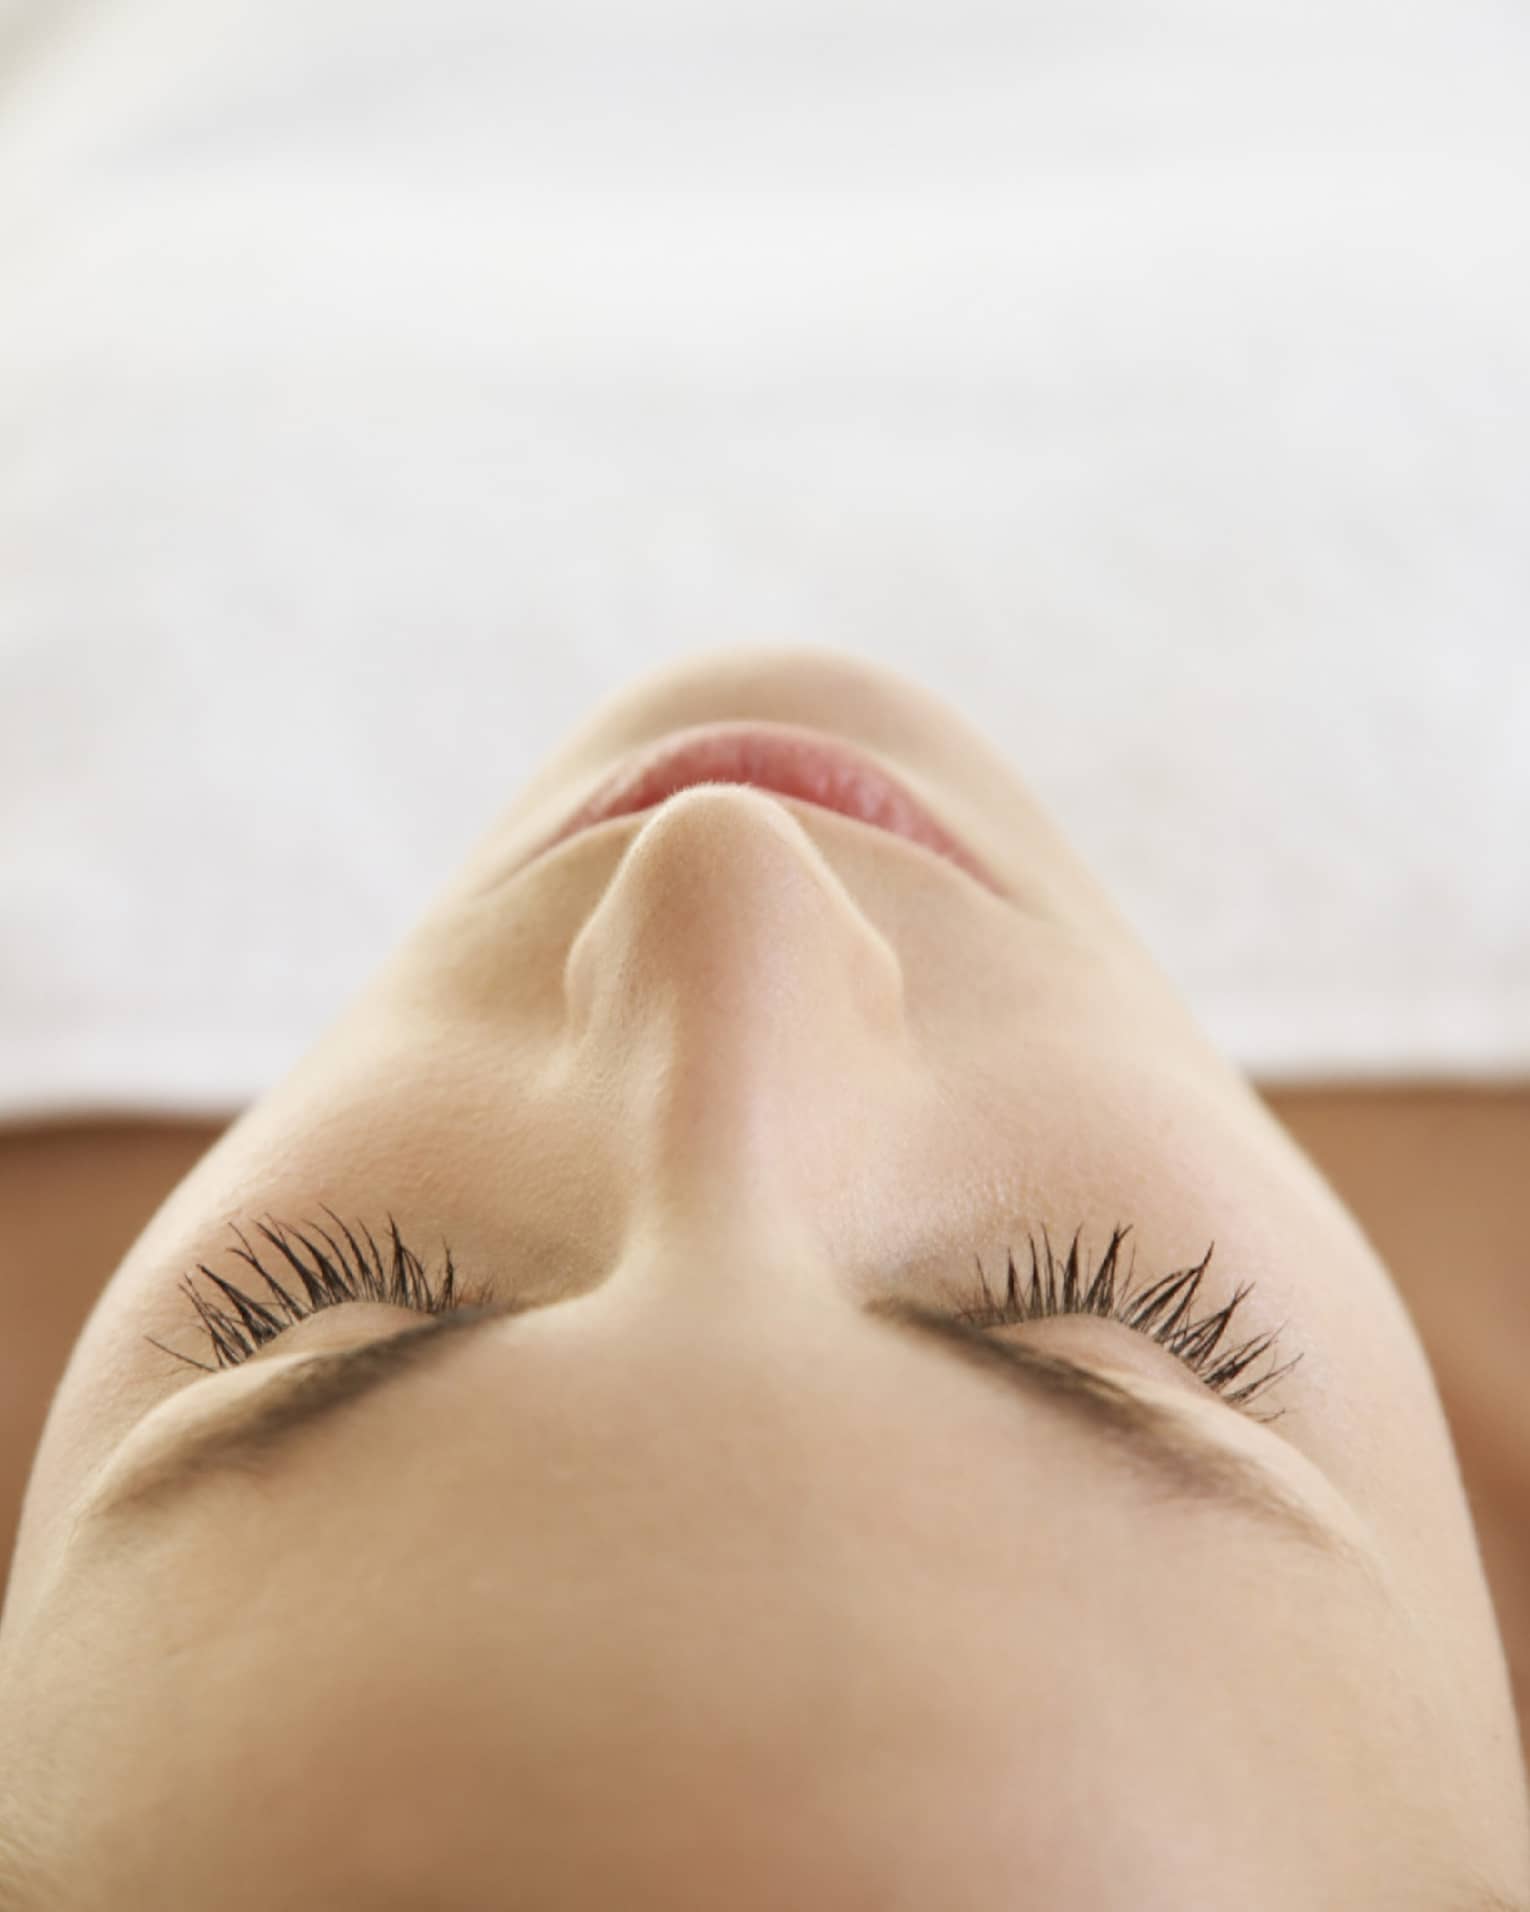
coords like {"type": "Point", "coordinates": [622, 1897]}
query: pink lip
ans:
{"type": "Point", "coordinates": [781, 758]}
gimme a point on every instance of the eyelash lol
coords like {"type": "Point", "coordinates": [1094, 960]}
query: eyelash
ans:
{"type": "Point", "coordinates": [336, 1277]}
{"type": "Point", "coordinates": [1161, 1310]}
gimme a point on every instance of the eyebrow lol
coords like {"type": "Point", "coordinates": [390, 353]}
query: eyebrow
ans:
{"type": "Point", "coordinates": [1168, 1455]}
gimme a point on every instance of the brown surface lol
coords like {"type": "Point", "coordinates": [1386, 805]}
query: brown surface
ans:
{"type": "Point", "coordinates": [73, 1199]}
{"type": "Point", "coordinates": [1434, 1175]}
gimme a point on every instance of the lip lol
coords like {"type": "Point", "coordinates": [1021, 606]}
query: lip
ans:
{"type": "Point", "coordinates": [786, 760]}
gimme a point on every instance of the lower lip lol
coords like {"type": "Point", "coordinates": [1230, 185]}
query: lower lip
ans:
{"type": "Point", "coordinates": [785, 761]}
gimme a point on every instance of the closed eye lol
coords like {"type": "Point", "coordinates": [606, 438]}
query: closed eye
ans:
{"type": "Point", "coordinates": [336, 1273]}
{"type": "Point", "coordinates": [1161, 1450]}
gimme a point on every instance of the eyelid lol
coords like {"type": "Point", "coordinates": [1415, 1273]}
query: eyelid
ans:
{"type": "Point", "coordinates": [1110, 1348]}
{"type": "Point", "coordinates": [1166, 1438]}
{"type": "Point", "coordinates": [333, 1330]}
{"type": "Point", "coordinates": [225, 1397]}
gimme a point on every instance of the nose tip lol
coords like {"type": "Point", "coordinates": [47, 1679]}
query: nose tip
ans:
{"type": "Point", "coordinates": [725, 910]}
{"type": "Point", "coordinates": [730, 990]}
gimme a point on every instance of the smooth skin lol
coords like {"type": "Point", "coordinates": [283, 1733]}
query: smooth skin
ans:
{"type": "Point", "coordinates": [695, 1585]}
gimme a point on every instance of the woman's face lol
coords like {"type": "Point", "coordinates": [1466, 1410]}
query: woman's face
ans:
{"type": "Point", "coordinates": [695, 1569]}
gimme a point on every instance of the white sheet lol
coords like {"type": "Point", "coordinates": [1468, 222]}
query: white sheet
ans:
{"type": "Point", "coordinates": [382, 382]}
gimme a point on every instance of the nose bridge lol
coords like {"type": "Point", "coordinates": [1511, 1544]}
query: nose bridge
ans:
{"type": "Point", "coordinates": [738, 1008]}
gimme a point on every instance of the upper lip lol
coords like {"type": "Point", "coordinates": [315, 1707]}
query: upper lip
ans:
{"type": "Point", "coordinates": [788, 760]}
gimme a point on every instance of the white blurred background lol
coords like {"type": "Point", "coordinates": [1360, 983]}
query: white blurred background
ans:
{"type": "Point", "coordinates": [382, 382]}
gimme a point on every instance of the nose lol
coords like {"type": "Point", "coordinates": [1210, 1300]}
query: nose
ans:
{"type": "Point", "coordinates": [743, 1015]}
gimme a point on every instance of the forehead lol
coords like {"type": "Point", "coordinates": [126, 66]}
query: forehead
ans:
{"type": "Point", "coordinates": [632, 1734]}
{"type": "Point", "coordinates": [489, 1456]}
{"type": "Point", "coordinates": [950, 1568]}
{"type": "Point", "coordinates": [527, 1642]}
